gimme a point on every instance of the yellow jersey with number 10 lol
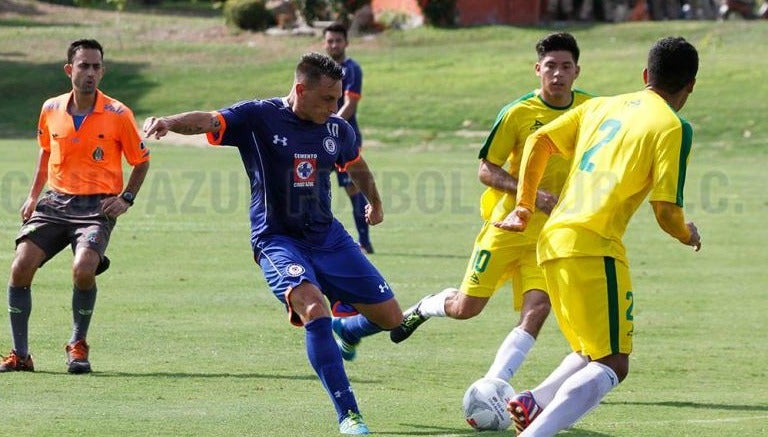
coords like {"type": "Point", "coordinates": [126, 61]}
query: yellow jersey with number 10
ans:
{"type": "Point", "coordinates": [515, 122]}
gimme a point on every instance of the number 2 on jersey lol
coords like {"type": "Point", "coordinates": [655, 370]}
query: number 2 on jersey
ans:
{"type": "Point", "coordinates": [613, 125]}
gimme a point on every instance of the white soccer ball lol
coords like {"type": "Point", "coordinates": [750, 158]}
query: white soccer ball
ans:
{"type": "Point", "coordinates": [485, 404]}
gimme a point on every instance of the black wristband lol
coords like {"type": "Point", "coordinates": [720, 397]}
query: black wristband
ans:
{"type": "Point", "coordinates": [128, 197]}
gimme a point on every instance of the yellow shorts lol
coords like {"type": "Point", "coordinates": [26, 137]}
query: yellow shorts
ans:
{"type": "Point", "coordinates": [497, 257]}
{"type": "Point", "coordinates": [593, 302]}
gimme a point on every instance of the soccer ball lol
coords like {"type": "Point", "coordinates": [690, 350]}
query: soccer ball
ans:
{"type": "Point", "coordinates": [485, 404]}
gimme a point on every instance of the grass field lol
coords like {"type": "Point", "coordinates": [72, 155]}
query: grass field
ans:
{"type": "Point", "coordinates": [187, 340]}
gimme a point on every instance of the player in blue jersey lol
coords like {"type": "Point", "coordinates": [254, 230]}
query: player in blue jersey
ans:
{"type": "Point", "coordinates": [289, 147]}
{"type": "Point", "coordinates": [335, 43]}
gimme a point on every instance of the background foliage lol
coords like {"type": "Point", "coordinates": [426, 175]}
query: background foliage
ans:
{"type": "Point", "coordinates": [440, 13]}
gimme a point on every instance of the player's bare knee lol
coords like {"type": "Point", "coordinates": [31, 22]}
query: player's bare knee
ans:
{"type": "Point", "coordinates": [84, 277]}
{"type": "Point", "coordinates": [619, 363]}
{"type": "Point", "coordinates": [312, 311]}
{"type": "Point", "coordinates": [536, 308]}
{"type": "Point", "coordinates": [623, 373]}
{"type": "Point", "coordinates": [22, 272]}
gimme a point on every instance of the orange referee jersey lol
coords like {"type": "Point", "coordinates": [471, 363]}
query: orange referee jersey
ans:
{"type": "Point", "coordinates": [89, 160]}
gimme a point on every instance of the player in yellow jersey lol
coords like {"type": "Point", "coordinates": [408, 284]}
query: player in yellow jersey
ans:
{"type": "Point", "coordinates": [623, 148]}
{"type": "Point", "coordinates": [499, 255]}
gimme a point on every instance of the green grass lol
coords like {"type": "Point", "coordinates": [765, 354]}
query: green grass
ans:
{"type": "Point", "coordinates": [187, 339]}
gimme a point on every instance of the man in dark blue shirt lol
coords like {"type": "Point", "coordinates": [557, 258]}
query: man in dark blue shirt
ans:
{"type": "Point", "coordinates": [289, 146]}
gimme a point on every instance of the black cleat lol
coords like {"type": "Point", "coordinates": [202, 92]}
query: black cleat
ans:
{"type": "Point", "coordinates": [412, 319]}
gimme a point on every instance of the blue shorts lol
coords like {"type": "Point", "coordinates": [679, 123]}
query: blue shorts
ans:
{"type": "Point", "coordinates": [337, 267]}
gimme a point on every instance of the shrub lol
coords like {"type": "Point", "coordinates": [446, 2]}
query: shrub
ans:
{"type": "Point", "coordinates": [439, 13]}
{"type": "Point", "coordinates": [314, 10]}
{"type": "Point", "coordinates": [330, 10]}
{"type": "Point", "coordinates": [350, 6]}
{"type": "Point", "coordinates": [248, 14]}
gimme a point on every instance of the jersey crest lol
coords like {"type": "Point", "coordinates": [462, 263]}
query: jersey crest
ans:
{"type": "Point", "coordinates": [329, 144]}
{"type": "Point", "coordinates": [304, 169]}
{"type": "Point", "coordinates": [98, 154]}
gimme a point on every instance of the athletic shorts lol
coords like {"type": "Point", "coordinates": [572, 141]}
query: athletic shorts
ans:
{"type": "Point", "coordinates": [593, 302]}
{"type": "Point", "coordinates": [62, 220]}
{"type": "Point", "coordinates": [338, 268]}
{"type": "Point", "coordinates": [499, 256]}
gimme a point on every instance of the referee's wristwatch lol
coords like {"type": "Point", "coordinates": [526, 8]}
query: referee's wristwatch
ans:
{"type": "Point", "coordinates": [128, 197]}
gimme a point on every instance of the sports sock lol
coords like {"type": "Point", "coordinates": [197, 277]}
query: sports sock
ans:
{"type": "Point", "coordinates": [83, 302]}
{"type": "Point", "coordinates": [357, 327]}
{"type": "Point", "coordinates": [434, 306]}
{"type": "Point", "coordinates": [358, 213]}
{"type": "Point", "coordinates": [511, 354]}
{"type": "Point", "coordinates": [19, 309]}
{"type": "Point", "coordinates": [325, 358]}
{"type": "Point", "coordinates": [578, 395]}
{"type": "Point", "coordinates": [545, 392]}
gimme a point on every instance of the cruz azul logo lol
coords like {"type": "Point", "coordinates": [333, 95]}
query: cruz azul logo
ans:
{"type": "Point", "coordinates": [304, 169]}
{"type": "Point", "coordinates": [329, 144]}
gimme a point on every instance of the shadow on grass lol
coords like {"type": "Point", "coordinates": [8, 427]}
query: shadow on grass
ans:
{"type": "Point", "coordinates": [415, 429]}
{"type": "Point", "coordinates": [25, 86]}
{"type": "Point", "coordinates": [697, 405]}
{"type": "Point", "coordinates": [443, 431]}
{"type": "Point", "coordinates": [212, 375]}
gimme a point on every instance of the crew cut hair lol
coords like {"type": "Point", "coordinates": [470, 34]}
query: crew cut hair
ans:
{"type": "Point", "coordinates": [672, 64]}
{"type": "Point", "coordinates": [336, 28]}
{"type": "Point", "coordinates": [313, 66]}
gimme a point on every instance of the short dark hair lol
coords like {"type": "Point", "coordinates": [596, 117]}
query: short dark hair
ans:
{"type": "Point", "coordinates": [672, 64]}
{"type": "Point", "coordinates": [336, 28]}
{"type": "Point", "coordinates": [556, 42]}
{"type": "Point", "coordinates": [314, 66]}
{"type": "Point", "coordinates": [83, 44]}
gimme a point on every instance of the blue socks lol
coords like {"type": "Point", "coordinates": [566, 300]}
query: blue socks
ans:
{"type": "Point", "coordinates": [325, 358]}
{"type": "Point", "coordinates": [19, 308]}
{"type": "Point", "coordinates": [357, 327]}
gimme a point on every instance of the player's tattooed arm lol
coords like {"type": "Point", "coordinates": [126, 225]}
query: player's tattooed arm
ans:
{"type": "Point", "coordinates": [191, 123]}
{"type": "Point", "coordinates": [186, 123]}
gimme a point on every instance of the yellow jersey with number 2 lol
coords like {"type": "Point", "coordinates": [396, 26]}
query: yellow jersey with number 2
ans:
{"type": "Point", "coordinates": [623, 147]}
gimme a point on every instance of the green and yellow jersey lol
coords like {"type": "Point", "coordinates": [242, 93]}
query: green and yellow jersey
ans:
{"type": "Point", "coordinates": [515, 122]}
{"type": "Point", "coordinates": [623, 148]}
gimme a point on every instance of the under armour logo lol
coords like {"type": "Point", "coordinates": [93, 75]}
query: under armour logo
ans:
{"type": "Point", "coordinates": [383, 287]}
{"type": "Point", "coordinates": [281, 140]}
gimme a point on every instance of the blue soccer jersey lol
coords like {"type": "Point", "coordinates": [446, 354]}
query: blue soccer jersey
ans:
{"type": "Point", "coordinates": [352, 84]}
{"type": "Point", "coordinates": [288, 161]}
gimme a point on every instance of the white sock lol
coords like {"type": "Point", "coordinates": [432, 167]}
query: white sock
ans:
{"type": "Point", "coordinates": [545, 392]}
{"type": "Point", "coordinates": [578, 395]}
{"type": "Point", "coordinates": [511, 354]}
{"type": "Point", "coordinates": [434, 306]}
